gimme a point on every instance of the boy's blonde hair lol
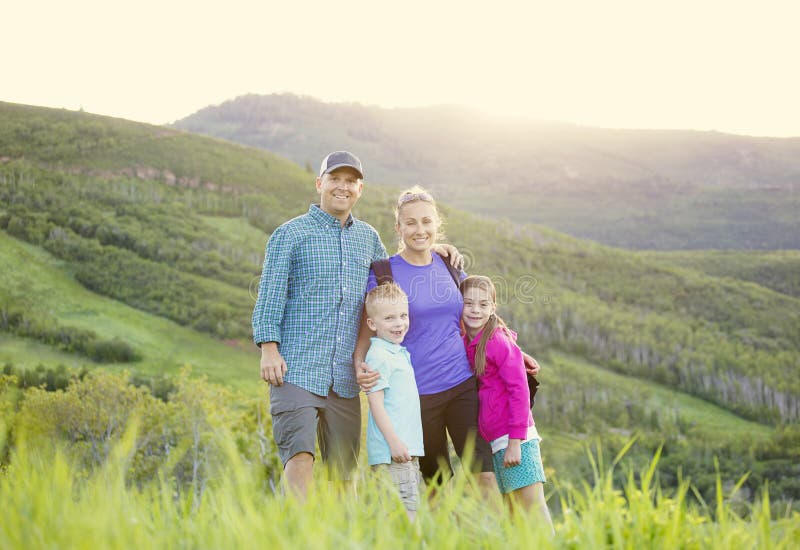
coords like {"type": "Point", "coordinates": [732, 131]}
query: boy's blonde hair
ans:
{"type": "Point", "coordinates": [415, 194]}
{"type": "Point", "coordinates": [387, 292]}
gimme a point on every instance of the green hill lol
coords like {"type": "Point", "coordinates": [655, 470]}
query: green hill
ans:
{"type": "Point", "coordinates": [124, 236]}
{"type": "Point", "coordinates": [628, 188]}
{"type": "Point", "coordinates": [778, 270]}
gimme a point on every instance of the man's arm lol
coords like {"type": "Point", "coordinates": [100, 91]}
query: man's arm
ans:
{"type": "Point", "coordinates": [365, 376]}
{"type": "Point", "coordinates": [397, 447]}
{"type": "Point", "coordinates": [273, 289]}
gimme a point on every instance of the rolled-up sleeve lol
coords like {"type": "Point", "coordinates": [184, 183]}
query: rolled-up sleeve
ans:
{"type": "Point", "coordinates": [273, 288]}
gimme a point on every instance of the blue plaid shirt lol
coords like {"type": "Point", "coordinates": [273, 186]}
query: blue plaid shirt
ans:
{"type": "Point", "coordinates": [310, 297]}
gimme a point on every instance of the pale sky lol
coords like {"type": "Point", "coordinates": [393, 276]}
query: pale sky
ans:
{"type": "Point", "coordinates": [727, 65]}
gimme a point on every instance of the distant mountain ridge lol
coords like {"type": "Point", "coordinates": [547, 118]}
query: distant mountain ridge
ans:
{"type": "Point", "coordinates": [660, 189]}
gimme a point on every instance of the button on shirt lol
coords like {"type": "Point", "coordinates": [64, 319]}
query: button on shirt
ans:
{"type": "Point", "coordinates": [310, 297]}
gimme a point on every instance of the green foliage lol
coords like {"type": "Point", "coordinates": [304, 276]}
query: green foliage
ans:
{"type": "Point", "coordinates": [47, 378]}
{"type": "Point", "coordinates": [178, 438]}
{"type": "Point", "coordinates": [21, 319]}
{"type": "Point", "coordinates": [778, 270]}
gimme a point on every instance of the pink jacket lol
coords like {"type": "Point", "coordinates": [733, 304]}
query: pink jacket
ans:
{"type": "Point", "coordinates": [503, 389]}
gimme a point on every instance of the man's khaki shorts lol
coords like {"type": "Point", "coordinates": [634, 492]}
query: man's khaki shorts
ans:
{"type": "Point", "coordinates": [300, 417]}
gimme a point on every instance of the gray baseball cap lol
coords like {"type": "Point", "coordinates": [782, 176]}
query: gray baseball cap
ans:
{"type": "Point", "coordinates": [339, 159]}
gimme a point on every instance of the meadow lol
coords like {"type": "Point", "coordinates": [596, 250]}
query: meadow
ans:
{"type": "Point", "coordinates": [238, 511]}
{"type": "Point", "coordinates": [195, 472]}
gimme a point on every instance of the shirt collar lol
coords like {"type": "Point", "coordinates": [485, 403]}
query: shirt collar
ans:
{"type": "Point", "coordinates": [326, 219]}
{"type": "Point", "coordinates": [470, 342]}
{"type": "Point", "coordinates": [386, 344]}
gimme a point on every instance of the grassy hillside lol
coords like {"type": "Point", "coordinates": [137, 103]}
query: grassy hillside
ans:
{"type": "Point", "coordinates": [152, 240]}
{"type": "Point", "coordinates": [778, 270]}
{"type": "Point", "coordinates": [46, 282]}
{"type": "Point", "coordinates": [628, 188]}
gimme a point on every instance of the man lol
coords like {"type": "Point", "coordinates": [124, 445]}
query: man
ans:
{"type": "Point", "coordinates": [306, 322]}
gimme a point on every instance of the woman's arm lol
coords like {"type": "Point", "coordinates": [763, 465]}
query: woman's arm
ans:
{"type": "Point", "coordinates": [532, 367]}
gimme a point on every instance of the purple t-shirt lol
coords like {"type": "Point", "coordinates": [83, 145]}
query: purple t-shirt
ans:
{"type": "Point", "coordinates": [434, 309]}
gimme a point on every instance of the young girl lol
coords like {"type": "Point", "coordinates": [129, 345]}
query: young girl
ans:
{"type": "Point", "coordinates": [504, 416]}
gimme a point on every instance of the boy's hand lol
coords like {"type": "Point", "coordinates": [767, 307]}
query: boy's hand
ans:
{"type": "Point", "coordinates": [531, 366]}
{"type": "Point", "coordinates": [366, 377]}
{"type": "Point", "coordinates": [513, 455]}
{"type": "Point", "coordinates": [273, 367]}
{"type": "Point", "coordinates": [399, 451]}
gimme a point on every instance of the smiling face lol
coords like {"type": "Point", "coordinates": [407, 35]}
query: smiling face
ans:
{"type": "Point", "coordinates": [388, 317]}
{"type": "Point", "coordinates": [339, 191]}
{"type": "Point", "coordinates": [417, 225]}
{"type": "Point", "coordinates": [478, 307]}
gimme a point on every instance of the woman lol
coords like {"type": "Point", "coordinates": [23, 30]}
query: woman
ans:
{"type": "Point", "coordinates": [446, 384]}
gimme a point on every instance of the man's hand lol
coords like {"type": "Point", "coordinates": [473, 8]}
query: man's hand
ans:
{"type": "Point", "coordinates": [366, 377]}
{"type": "Point", "coordinates": [531, 366]}
{"type": "Point", "coordinates": [451, 252]}
{"type": "Point", "coordinates": [399, 451]}
{"type": "Point", "coordinates": [273, 367]}
{"type": "Point", "coordinates": [513, 455]}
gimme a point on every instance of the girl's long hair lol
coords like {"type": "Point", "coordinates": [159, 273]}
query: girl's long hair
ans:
{"type": "Point", "coordinates": [494, 322]}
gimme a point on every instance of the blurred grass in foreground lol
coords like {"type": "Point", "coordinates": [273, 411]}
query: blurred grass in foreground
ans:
{"type": "Point", "coordinates": [49, 502]}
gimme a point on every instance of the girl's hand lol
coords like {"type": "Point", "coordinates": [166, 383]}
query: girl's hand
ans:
{"type": "Point", "coordinates": [513, 455]}
{"type": "Point", "coordinates": [366, 377]}
{"type": "Point", "coordinates": [531, 366]}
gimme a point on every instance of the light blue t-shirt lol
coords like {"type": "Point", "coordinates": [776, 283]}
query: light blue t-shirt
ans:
{"type": "Point", "coordinates": [400, 399]}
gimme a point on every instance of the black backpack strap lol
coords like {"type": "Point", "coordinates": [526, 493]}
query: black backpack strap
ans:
{"type": "Point", "coordinates": [454, 273]}
{"type": "Point", "coordinates": [383, 271]}
{"type": "Point", "coordinates": [533, 386]}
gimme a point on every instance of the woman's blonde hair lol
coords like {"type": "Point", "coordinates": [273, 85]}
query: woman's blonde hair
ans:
{"type": "Point", "coordinates": [494, 322]}
{"type": "Point", "coordinates": [416, 194]}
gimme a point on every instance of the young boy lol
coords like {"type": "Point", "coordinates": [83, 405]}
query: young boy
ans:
{"type": "Point", "coordinates": [394, 427]}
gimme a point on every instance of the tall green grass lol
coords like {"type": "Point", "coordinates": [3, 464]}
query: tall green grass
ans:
{"type": "Point", "coordinates": [48, 502]}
